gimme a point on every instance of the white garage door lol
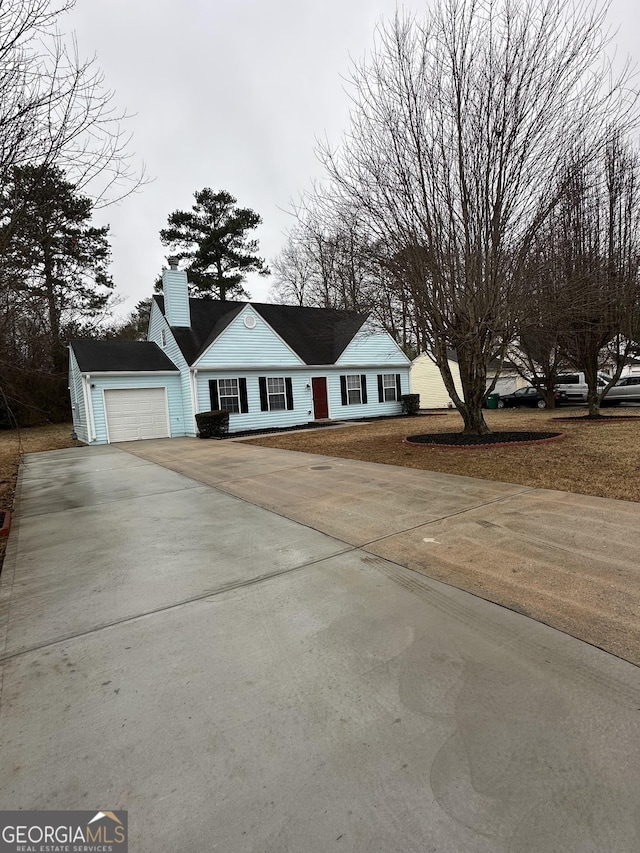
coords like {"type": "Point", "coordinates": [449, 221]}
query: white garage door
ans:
{"type": "Point", "coordinates": [135, 413]}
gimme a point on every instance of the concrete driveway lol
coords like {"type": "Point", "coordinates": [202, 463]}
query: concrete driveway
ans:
{"type": "Point", "coordinates": [570, 561]}
{"type": "Point", "coordinates": [240, 681]}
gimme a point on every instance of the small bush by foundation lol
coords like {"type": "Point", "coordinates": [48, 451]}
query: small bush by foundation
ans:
{"type": "Point", "coordinates": [213, 424]}
{"type": "Point", "coordinates": [410, 403]}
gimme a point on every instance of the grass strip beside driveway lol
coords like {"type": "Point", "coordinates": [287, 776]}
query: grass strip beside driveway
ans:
{"type": "Point", "coordinates": [600, 459]}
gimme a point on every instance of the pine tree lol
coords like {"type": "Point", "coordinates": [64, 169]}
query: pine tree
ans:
{"type": "Point", "coordinates": [53, 274]}
{"type": "Point", "coordinates": [213, 238]}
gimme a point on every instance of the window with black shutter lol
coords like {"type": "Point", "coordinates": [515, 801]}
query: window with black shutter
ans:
{"type": "Point", "coordinates": [229, 395]}
{"type": "Point", "coordinates": [388, 387]}
{"type": "Point", "coordinates": [276, 393]}
{"type": "Point", "coordinates": [353, 389]}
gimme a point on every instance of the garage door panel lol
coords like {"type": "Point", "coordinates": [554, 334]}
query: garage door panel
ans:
{"type": "Point", "coordinates": [136, 413]}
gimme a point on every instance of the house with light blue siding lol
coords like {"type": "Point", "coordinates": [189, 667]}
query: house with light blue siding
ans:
{"type": "Point", "coordinates": [269, 366]}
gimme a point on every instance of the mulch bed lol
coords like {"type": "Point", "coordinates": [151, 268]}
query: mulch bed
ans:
{"type": "Point", "coordinates": [492, 439]}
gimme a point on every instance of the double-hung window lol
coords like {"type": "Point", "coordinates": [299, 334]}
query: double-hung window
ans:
{"type": "Point", "coordinates": [389, 387]}
{"type": "Point", "coordinates": [230, 395]}
{"type": "Point", "coordinates": [276, 393]}
{"type": "Point", "coordinates": [353, 388]}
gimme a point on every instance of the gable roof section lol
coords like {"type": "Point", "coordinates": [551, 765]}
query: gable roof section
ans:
{"type": "Point", "coordinates": [316, 335]}
{"type": "Point", "coordinates": [120, 357]}
{"type": "Point", "coordinates": [208, 316]}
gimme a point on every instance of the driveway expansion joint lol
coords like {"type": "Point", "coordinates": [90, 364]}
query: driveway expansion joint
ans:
{"type": "Point", "coordinates": [211, 593]}
{"type": "Point", "coordinates": [473, 508]}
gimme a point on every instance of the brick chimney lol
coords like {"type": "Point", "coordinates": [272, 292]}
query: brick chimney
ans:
{"type": "Point", "coordinates": [176, 295]}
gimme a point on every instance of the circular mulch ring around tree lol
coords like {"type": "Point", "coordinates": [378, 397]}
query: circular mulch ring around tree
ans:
{"type": "Point", "coordinates": [455, 440]}
{"type": "Point", "coordinates": [602, 419]}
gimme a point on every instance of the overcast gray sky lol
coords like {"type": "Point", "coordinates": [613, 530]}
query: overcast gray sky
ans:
{"type": "Point", "coordinates": [231, 94]}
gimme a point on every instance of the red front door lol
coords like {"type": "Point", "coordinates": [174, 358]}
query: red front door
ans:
{"type": "Point", "coordinates": [320, 405]}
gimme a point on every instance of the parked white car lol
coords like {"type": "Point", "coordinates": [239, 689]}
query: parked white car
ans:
{"type": "Point", "coordinates": [575, 385]}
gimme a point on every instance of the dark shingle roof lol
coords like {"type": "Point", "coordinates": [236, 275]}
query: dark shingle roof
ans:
{"type": "Point", "coordinates": [317, 335]}
{"type": "Point", "coordinates": [113, 356]}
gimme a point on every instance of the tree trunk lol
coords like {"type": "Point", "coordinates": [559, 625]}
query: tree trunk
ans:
{"type": "Point", "coordinates": [474, 422]}
{"type": "Point", "coordinates": [473, 380]}
{"type": "Point", "coordinates": [222, 287]}
{"type": "Point", "coordinates": [593, 395]}
{"type": "Point", "coordinates": [57, 352]}
{"type": "Point", "coordinates": [594, 408]}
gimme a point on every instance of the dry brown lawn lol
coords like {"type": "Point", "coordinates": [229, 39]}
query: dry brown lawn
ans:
{"type": "Point", "coordinates": [601, 458]}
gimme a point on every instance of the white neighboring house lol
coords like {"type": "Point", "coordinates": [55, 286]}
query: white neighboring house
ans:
{"type": "Point", "coordinates": [509, 379]}
{"type": "Point", "coordinates": [631, 368]}
{"type": "Point", "coordinates": [426, 381]}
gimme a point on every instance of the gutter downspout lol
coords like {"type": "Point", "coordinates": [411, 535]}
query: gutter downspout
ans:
{"type": "Point", "coordinates": [194, 397]}
{"type": "Point", "coordinates": [88, 404]}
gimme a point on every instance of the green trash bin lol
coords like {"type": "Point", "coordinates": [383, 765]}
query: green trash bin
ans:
{"type": "Point", "coordinates": [492, 400]}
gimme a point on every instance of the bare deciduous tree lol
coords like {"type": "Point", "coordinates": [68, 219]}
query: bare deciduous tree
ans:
{"type": "Point", "coordinates": [57, 118]}
{"type": "Point", "coordinates": [535, 350]}
{"type": "Point", "coordinates": [593, 242]}
{"type": "Point", "coordinates": [460, 126]}
{"type": "Point", "coordinates": [55, 110]}
{"type": "Point", "coordinates": [329, 262]}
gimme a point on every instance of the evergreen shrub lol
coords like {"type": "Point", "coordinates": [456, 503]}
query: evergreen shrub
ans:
{"type": "Point", "coordinates": [410, 403]}
{"type": "Point", "coordinates": [213, 424]}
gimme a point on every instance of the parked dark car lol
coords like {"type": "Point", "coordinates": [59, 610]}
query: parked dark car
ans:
{"type": "Point", "coordinates": [528, 397]}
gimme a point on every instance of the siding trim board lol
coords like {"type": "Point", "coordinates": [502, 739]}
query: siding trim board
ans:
{"type": "Point", "coordinates": [77, 391]}
{"type": "Point", "coordinates": [91, 424]}
{"type": "Point", "coordinates": [102, 373]}
{"type": "Point", "coordinates": [281, 369]}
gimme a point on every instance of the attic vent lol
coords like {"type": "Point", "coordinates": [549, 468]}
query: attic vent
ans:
{"type": "Point", "coordinates": [249, 321]}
